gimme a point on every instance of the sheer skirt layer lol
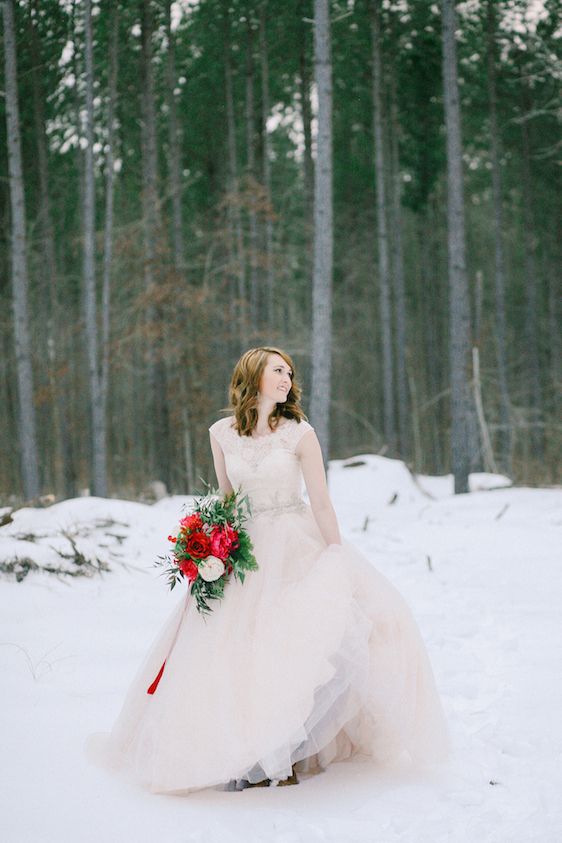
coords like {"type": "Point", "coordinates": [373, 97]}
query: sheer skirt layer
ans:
{"type": "Point", "coordinates": [315, 658]}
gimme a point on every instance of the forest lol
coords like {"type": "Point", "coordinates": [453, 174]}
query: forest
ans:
{"type": "Point", "coordinates": [373, 187]}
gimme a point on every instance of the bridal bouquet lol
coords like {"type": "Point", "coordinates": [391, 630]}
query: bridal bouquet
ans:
{"type": "Point", "coordinates": [210, 546]}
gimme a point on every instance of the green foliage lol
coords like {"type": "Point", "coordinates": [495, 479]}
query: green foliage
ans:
{"type": "Point", "coordinates": [215, 511]}
{"type": "Point", "coordinates": [195, 312]}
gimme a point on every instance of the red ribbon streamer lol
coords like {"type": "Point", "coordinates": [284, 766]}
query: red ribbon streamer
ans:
{"type": "Point", "coordinates": [154, 685]}
{"type": "Point", "coordinates": [152, 688]}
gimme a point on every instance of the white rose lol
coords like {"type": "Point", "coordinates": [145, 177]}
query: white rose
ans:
{"type": "Point", "coordinates": [211, 568]}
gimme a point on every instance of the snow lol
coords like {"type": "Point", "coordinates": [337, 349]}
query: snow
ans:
{"type": "Point", "coordinates": [482, 573]}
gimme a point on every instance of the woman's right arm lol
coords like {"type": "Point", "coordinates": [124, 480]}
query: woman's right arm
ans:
{"type": "Point", "coordinates": [225, 485]}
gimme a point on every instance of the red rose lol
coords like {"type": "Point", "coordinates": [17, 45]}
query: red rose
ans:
{"type": "Point", "coordinates": [189, 568]}
{"type": "Point", "coordinates": [198, 545]}
{"type": "Point", "coordinates": [223, 540]}
{"type": "Point", "coordinates": [191, 523]}
{"type": "Point", "coordinates": [232, 537]}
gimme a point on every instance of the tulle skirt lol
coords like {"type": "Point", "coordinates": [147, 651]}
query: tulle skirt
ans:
{"type": "Point", "coordinates": [315, 658]}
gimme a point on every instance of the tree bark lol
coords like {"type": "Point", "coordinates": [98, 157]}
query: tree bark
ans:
{"type": "Point", "coordinates": [459, 307]}
{"type": "Point", "coordinates": [20, 279]}
{"type": "Point", "coordinates": [269, 309]}
{"type": "Point", "coordinates": [151, 209]}
{"type": "Point", "coordinates": [308, 161]}
{"type": "Point", "coordinates": [505, 436]}
{"type": "Point", "coordinates": [235, 218]}
{"type": "Point", "coordinates": [306, 112]}
{"type": "Point", "coordinates": [63, 473]}
{"type": "Point", "coordinates": [109, 202]}
{"type": "Point", "coordinates": [251, 179]}
{"type": "Point", "coordinates": [174, 155]}
{"type": "Point", "coordinates": [323, 233]}
{"type": "Point", "coordinates": [555, 340]}
{"type": "Point", "coordinates": [157, 375]}
{"type": "Point", "coordinates": [429, 324]}
{"type": "Point", "coordinates": [385, 311]}
{"type": "Point", "coordinates": [175, 176]}
{"type": "Point", "coordinates": [98, 430]}
{"type": "Point", "coordinates": [533, 380]}
{"type": "Point", "coordinates": [488, 453]}
{"type": "Point", "coordinates": [399, 284]}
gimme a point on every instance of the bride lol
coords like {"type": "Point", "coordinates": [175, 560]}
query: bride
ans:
{"type": "Point", "coordinates": [315, 658]}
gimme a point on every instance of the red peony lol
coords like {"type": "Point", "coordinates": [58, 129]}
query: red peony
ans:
{"type": "Point", "coordinates": [223, 540]}
{"type": "Point", "coordinates": [189, 568]}
{"type": "Point", "coordinates": [198, 545]}
{"type": "Point", "coordinates": [233, 535]}
{"type": "Point", "coordinates": [191, 523]}
{"type": "Point", "coordinates": [209, 545]}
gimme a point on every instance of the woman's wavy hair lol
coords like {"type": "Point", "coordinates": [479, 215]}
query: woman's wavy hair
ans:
{"type": "Point", "coordinates": [244, 386]}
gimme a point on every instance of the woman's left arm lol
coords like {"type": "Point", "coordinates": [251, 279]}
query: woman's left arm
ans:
{"type": "Point", "coordinates": [309, 452]}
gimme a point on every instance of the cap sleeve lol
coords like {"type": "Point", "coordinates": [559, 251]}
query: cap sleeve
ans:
{"type": "Point", "coordinates": [218, 429]}
{"type": "Point", "coordinates": [301, 428]}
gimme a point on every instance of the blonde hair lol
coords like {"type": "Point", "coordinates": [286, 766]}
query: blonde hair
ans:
{"type": "Point", "coordinates": [244, 386]}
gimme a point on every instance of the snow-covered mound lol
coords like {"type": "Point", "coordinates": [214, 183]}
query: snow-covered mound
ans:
{"type": "Point", "coordinates": [83, 535]}
{"type": "Point", "coordinates": [390, 481]}
{"type": "Point", "coordinates": [86, 535]}
{"type": "Point", "coordinates": [483, 577]}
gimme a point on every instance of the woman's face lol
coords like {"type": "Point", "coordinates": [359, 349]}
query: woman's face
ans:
{"type": "Point", "coordinates": [276, 379]}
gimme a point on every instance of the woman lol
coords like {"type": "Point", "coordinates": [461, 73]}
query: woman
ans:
{"type": "Point", "coordinates": [315, 658]}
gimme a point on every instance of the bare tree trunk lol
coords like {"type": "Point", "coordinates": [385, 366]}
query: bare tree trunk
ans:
{"type": "Point", "coordinates": [68, 351]}
{"type": "Point", "coordinates": [157, 375]}
{"type": "Point", "coordinates": [382, 236]}
{"type": "Point", "coordinates": [174, 162]}
{"type": "Point", "coordinates": [418, 453]}
{"type": "Point", "coordinates": [98, 430]}
{"type": "Point", "coordinates": [399, 285]}
{"type": "Point", "coordinates": [534, 391]}
{"type": "Point", "coordinates": [323, 233]}
{"type": "Point", "coordinates": [151, 210]}
{"type": "Point", "coordinates": [175, 177]}
{"type": "Point", "coordinates": [505, 437]}
{"type": "Point", "coordinates": [20, 280]}
{"type": "Point", "coordinates": [109, 199]}
{"type": "Point", "coordinates": [429, 320]}
{"type": "Point", "coordinates": [269, 272]}
{"type": "Point", "coordinates": [488, 453]}
{"type": "Point", "coordinates": [459, 307]}
{"type": "Point", "coordinates": [487, 450]}
{"type": "Point", "coordinates": [48, 238]}
{"type": "Point", "coordinates": [9, 457]}
{"type": "Point", "coordinates": [251, 178]}
{"type": "Point", "coordinates": [308, 163]}
{"type": "Point", "coordinates": [555, 342]}
{"type": "Point", "coordinates": [553, 456]}
{"type": "Point", "coordinates": [233, 182]}
{"type": "Point", "coordinates": [61, 435]}
{"type": "Point", "coordinates": [187, 428]}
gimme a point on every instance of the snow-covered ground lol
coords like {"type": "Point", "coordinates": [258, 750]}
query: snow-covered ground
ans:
{"type": "Point", "coordinates": [483, 575]}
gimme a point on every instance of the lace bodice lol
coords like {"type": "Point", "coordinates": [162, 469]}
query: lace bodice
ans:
{"type": "Point", "coordinates": [266, 468]}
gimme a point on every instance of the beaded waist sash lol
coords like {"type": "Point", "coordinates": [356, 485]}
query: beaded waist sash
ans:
{"type": "Point", "coordinates": [275, 508]}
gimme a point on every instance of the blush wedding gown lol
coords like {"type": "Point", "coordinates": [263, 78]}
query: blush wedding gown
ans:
{"type": "Point", "coordinates": [315, 658]}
